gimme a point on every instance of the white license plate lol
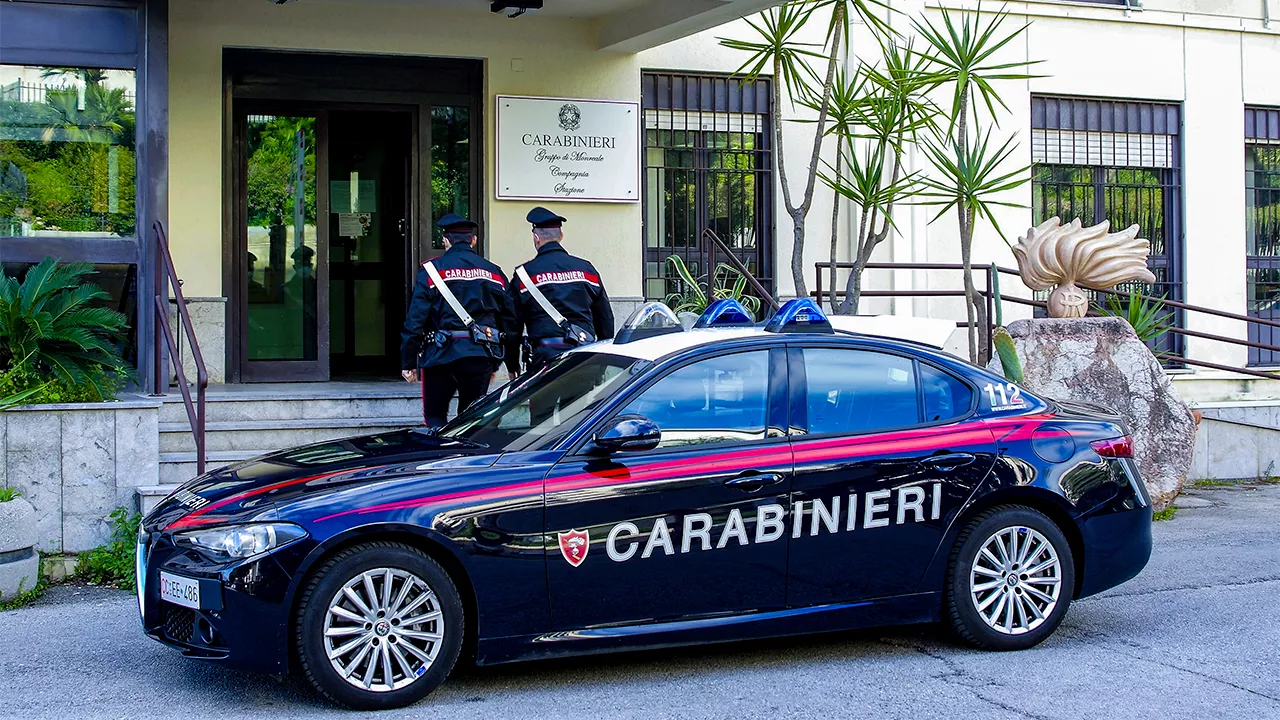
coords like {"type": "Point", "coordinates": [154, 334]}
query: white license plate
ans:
{"type": "Point", "coordinates": [179, 590]}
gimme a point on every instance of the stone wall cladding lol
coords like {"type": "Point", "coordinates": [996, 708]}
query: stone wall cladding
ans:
{"type": "Point", "coordinates": [1101, 361]}
{"type": "Point", "coordinates": [209, 318]}
{"type": "Point", "coordinates": [75, 463]}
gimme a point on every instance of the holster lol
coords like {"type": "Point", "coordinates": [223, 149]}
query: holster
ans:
{"type": "Point", "coordinates": [488, 338]}
{"type": "Point", "coordinates": [575, 335]}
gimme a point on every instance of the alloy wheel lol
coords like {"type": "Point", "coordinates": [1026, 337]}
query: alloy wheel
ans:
{"type": "Point", "coordinates": [1015, 580]}
{"type": "Point", "coordinates": [383, 629]}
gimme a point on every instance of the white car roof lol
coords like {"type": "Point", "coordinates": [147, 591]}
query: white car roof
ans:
{"type": "Point", "coordinates": [928, 331]}
{"type": "Point", "coordinates": [658, 346]}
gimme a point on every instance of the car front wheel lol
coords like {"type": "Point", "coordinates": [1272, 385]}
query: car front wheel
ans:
{"type": "Point", "coordinates": [379, 626]}
{"type": "Point", "coordinates": [1011, 579]}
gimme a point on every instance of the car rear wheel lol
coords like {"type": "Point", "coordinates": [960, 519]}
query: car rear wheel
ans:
{"type": "Point", "coordinates": [379, 626]}
{"type": "Point", "coordinates": [1011, 579]}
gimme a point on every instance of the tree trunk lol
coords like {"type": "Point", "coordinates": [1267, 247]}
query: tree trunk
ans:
{"type": "Point", "coordinates": [835, 216]}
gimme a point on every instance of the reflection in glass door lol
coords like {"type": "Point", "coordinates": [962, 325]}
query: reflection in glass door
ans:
{"type": "Point", "coordinates": [284, 288]}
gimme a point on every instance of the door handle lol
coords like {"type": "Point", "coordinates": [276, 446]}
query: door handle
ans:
{"type": "Point", "coordinates": [948, 461]}
{"type": "Point", "coordinates": [751, 480]}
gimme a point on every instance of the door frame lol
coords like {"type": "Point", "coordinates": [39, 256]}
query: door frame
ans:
{"type": "Point", "coordinates": [329, 81]}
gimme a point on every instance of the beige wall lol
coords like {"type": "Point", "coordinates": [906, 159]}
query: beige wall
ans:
{"type": "Point", "coordinates": [558, 59]}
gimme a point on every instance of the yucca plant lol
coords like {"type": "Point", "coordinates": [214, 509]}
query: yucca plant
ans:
{"type": "Point", "coordinates": [962, 54]}
{"type": "Point", "coordinates": [51, 332]}
{"type": "Point", "coordinates": [726, 282]}
{"type": "Point", "coordinates": [1146, 314]}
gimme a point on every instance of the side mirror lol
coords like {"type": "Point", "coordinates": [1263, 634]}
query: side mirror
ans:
{"type": "Point", "coordinates": [627, 433]}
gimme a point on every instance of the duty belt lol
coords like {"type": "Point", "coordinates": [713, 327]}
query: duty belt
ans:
{"type": "Point", "coordinates": [555, 342]}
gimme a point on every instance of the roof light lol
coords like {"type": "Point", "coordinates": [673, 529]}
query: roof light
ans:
{"type": "Point", "coordinates": [801, 315]}
{"type": "Point", "coordinates": [725, 312]}
{"type": "Point", "coordinates": [648, 320]}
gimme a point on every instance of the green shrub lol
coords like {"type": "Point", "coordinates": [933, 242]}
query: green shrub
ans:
{"type": "Point", "coordinates": [8, 493]}
{"type": "Point", "coordinates": [56, 345]}
{"type": "Point", "coordinates": [113, 563]}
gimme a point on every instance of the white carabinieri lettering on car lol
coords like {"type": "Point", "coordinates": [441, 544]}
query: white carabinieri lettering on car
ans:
{"type": "Point", "coordinates": [189, 499]}
{"type": "Point", "coordinates": [697, 532]}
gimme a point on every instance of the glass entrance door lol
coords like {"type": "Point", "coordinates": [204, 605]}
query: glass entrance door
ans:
{"type": "Point", "coordinates": [283, 293]}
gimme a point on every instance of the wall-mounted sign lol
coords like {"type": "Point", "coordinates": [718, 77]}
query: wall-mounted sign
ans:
{"type": "Point", "coordinates": [568, 150]}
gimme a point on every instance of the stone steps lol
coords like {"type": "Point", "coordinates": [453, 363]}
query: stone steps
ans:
{"type": "Point", "coordinates": [245, 421]}
{"type": "Point", "coordinates": [275, 434]}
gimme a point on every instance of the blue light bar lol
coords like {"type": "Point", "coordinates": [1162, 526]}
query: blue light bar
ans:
{"type": "Point", "coordinates": [801, 315]}
{"type": "Point", "coordinates": [725, 312]}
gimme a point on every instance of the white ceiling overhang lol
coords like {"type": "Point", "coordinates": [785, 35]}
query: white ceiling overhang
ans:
{"type": "Point", "coordinates": [654, 22]}
{"type": "Point", "coordinates": [624, 25]}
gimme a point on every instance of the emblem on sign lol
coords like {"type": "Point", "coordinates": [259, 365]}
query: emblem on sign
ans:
{"type": "Point", "coordinates": [574, 546]}
{"type": "Point", "coordinates": [570, 116]}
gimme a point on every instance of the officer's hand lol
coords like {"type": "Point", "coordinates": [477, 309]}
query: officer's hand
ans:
{"type": "Point", "coordinates": [409, 375]}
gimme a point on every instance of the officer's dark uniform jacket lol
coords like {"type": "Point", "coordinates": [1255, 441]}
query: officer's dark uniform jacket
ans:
{"type": "Point", "coordinates": [573, 287]}
{"type": "Point", "coordinates": [481, 288]}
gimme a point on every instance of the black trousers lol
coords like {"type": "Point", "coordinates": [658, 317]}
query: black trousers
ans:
{"type": "Point", "coordinates": [469, 377]}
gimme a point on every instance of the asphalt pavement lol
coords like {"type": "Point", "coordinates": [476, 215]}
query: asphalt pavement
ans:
{"type": "Point", "coordinates": [1195, 636]}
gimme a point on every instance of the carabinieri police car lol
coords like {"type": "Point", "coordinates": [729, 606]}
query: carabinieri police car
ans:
{"type": "Point", "coordinates": [667, 487]}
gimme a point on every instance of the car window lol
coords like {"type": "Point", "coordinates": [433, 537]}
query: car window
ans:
{"type": "Point", "coordinates": [856, 391]}
{"type": "Point", "coordinates": [945, 397]}
{"type": "Point", "coordinates": [540, 407]}
{"type": "Point", "coordinates": [718, 400]}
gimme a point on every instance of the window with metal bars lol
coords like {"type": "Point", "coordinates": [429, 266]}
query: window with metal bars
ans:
{"type": "Point", "coordinates": [708, 165]}
{"type": "Point", "coordinates": [1262, 227]}
{"type": "Point", "coordinates": [1120, 161]}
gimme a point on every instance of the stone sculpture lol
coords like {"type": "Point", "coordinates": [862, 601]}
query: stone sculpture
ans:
{"type": "Point", "coordinates": [1064, 257]}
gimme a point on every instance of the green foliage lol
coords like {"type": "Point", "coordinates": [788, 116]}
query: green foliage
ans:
{"type": "Point", "coordinates": [113, 563]}
{"type": "Point", "coordinates": [727, 283]}
{"type": "Point", "coordinates": [7, 494]}
{"type": "Point", "coordinates": [1165, 514]}
{"type": "Point", "coordinates": [55, 344]}
{"type": "Point", "coordinates": [1008, 352]}
{"type": "Point", "coordinates": [1145, 314]}
{"type": "Point", "coordinates": [24, 597]}
{"type": "Point", "coordinates": [961, 51]}
{"type": "Point", "coordinates": [282, 152]}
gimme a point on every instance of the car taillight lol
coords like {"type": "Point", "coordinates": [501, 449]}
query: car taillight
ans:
{"type": "Point", "coordinates": [1121, 447]}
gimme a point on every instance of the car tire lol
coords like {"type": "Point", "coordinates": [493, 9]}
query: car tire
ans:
{"type": "Point", "coordinates": [347, 609]}
{"type": "Point", "coordinates": [990, 601]}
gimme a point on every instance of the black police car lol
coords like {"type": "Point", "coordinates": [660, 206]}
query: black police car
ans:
{"type": "Point", "coordinates": [668, 487]}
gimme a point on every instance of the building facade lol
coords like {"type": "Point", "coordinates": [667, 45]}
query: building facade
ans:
{"type": "Point", "coordinates": [299, 153]}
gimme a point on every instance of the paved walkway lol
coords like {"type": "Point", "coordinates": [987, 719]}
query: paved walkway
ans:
{"type": "Point", "coordinates": [1195, 636]}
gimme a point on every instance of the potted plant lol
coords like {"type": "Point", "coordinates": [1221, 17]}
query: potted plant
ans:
{"type": "Point", "coordinates": [19, 563]}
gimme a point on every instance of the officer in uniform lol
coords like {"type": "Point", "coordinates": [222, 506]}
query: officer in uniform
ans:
{"type": "Point", "coordinates": [455, 349]}
{"type": "Point", "coordinates": [569, 284]}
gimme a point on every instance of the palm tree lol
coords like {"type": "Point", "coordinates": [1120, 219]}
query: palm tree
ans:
{"type": "Point", "coordinates": [50, 327]}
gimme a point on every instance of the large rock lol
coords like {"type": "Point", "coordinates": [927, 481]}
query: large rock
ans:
{"type": "Point", "coordinates": [1102, 361]}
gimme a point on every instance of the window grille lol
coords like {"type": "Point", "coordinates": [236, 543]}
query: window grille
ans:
{"type": "Point", "coordinates": [1262, 227]}
{"type": "Point", "coordinates": [1115, 160]}
{"type": "Point", "coordinates": [708, 164]}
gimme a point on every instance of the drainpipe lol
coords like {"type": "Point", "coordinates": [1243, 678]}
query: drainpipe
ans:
{"type": "Point", "coordinates": [1266, 13]}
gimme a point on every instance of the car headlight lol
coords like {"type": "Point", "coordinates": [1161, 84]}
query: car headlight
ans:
{"type": "Point", "coordinates": [241, 541]}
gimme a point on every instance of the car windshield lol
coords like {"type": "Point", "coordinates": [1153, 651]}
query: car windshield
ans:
{"type": "Point", "coordinates": [544, 405]}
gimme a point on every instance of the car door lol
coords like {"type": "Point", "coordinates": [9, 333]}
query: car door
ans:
{"type": "Point", "coordinates": [884, 456]}
{"type": "Point", "coordinates": [692, 528]}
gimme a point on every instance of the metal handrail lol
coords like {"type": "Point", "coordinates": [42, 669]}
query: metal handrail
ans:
{"type": "Point", "coordinates": [991, 270]}
{"type": "Point", "coordinates": [167, 277]}
{"type": "Point", "coordinates": [717, 243]}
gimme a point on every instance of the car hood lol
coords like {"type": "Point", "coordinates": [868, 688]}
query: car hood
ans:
{"type": "Point", "coordinates": [251, 489]}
